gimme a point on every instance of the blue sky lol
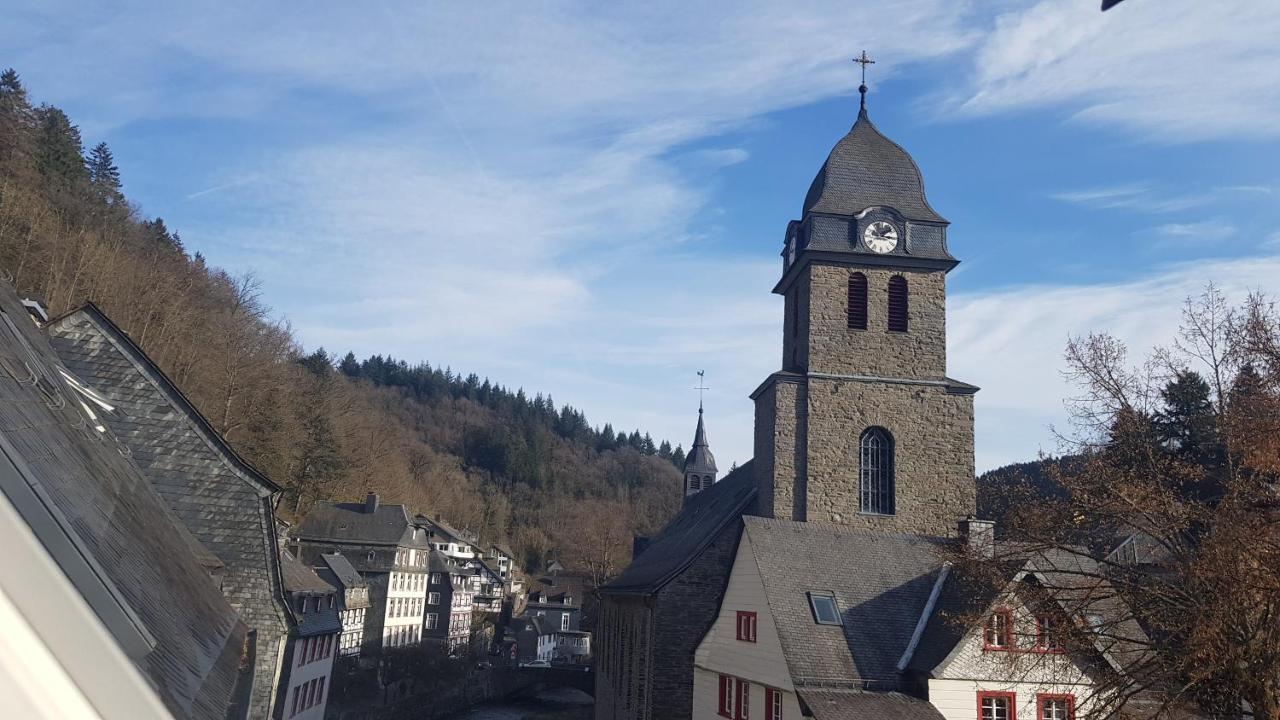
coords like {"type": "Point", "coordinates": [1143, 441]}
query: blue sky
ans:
{"type": "Point", "coordinates": [589, 199]}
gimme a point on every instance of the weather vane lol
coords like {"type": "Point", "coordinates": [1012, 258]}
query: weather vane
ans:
{"type": "Point", "coordinates": [864, 61]}
{"type": "Point", "coordinates": [702, 375]}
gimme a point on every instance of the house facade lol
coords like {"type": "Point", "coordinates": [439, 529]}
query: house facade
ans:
{"type": "Point", "coordinates": [313, 644]}
{"type": "Point", "coordinates": [353, 600]}
{"type": "Point", "coordinates": [390, 554]}
{"type": "Point", "coordinates": [449, 603]}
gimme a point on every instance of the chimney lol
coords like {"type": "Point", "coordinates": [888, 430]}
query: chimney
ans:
{"type": "Point", "coordinates": [980, 535]}
{"type": "Point", "coordinates": [639, 543]}
{"type": "Point", "coordinates": [371, 502]}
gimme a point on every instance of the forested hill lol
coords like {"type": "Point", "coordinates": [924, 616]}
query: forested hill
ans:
{"type": "Point", "coordinates": [512, 467]}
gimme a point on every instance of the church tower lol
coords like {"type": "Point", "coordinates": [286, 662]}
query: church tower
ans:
{"type": "Point", "coordinates": [862, 426]}
{"type": "Point", "coordinates": [699, 464]}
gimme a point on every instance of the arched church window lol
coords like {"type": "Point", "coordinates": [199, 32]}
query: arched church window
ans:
{"type": "Point", "coordinates": [876, 472]}
{"type": "Point", "coordinates": [857, 310]}
{"type": "Point", "coordinates": [898, 304]}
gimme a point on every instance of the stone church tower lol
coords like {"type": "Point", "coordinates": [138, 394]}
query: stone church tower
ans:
{"type": "Point", "coordinates": [699, 465]}
{"type": "Point", "coordinates": [862, 426]}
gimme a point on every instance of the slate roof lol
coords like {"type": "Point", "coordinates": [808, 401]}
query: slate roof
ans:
{"type": "Point", "coordinates": [352, 523]}
{"type": "Point", "coordinates": [342, 570]}
{"type": "Point", "coordinates": [219, 497]}
{"type": "Point", "coordinates": [855, 705]}
{"type": "Point", "coordinates": [881, 583]}
{"type": "Point", "coordinates": [703, 517]}
{"type": "Point", "coordinates": [100, 502]}
{"type": "Point", "coordinates": [298, 578]}
{"type": "Point", "coordinates": [867, 169]}
{"type": "Point", "coordinates": [700, 459]}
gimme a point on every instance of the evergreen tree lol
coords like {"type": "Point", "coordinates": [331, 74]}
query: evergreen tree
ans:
{"type": "Point", "coordinates": [606, 440]}
{"type": "Point", "coordinates": [158, 233]}
{"type": "Point", "coordinates": [677, 457]}
{"type": "Point", "coordinates": [317, 363]}
{"type": "Point", "coordinates": [17, 120]}
{"type": "Point", "coordinates": [646, 445]}
{"type": "Point", "coordinates": [349, 365]}
{"type": "Point", "coordinates": [1188, 423]}
{"type": "Point", "coordinates": [59, 151]}
{"type": "Point", "coordinates": [664, 450]}
{"type": "Point", "coordinates": [104, 176]}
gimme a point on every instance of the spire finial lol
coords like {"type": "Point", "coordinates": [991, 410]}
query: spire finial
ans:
{"type": "Point", "coordinates": [864, 61]}
{"type": "Point", "coordinates": [700, 387]}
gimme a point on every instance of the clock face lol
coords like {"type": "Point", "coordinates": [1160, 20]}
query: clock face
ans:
{"type": "Point", "coordinates": [881, 237]}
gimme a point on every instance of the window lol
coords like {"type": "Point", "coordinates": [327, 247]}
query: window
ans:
{"type": "Point", "coordinates": [1095, 621]}
{"type": "Point", "coordinates": [997, 632]}
{"type": "Point", "coordinates": [996, 706]}
{"type": "Point", "coordinates": [824, 608]}
{"type": "Point", "coordinates": [857, 308]}
{"type": "Point", "coordinates": [320, 691]}
{"type": "Point", "coordinates": [743, 711]}
{"type": "Point", "coordinates": [897, 304]}
{"type": "Point", "coordinates": [435, 578]}
{"type": "Point", "coordinates": [1055, 707]}
{"type": "Point", "coordinates": [876, 472]}
{"type": "Point", "coordinates": [564, 621]}
{"type": "Point", "coordinates": [746, 626]}
{"type": "Point", "coordinates": [772, 704]}
{"type": "Point", "coordinates": [1046, 634]}
{"type": "Point", "coordinates": [432, 619]}
{"type": "Point", "coordinates": [297, 694]}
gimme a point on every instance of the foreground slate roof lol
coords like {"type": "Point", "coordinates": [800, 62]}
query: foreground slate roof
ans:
{"type": "Point", "coordinates": [222, 500]}
{"type": "Point", "coordinates": [881, 583]}
{"type": "Point", "coordinates": [75, 485]}
{"type": "Point", "coordinates": [703, 517]}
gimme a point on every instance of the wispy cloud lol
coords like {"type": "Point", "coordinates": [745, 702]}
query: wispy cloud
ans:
{"type": "Point", "coordinates": [1177, 70]}
{"type": "Point", "coordinates": [1142, 197]}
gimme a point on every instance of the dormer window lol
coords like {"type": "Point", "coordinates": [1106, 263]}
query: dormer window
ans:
{"type": "Point", "coordinates": [825, 610]}
{"type": "Point", "coordinates": [998, 631]}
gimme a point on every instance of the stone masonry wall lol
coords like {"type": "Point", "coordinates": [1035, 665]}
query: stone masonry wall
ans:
{"type": "Point", "coordinates": [834, 348]}
{"type": "Point", "coordinates": [683, 613]}
{"type": "Point", "coordinates": [933, 446]}
{"type": "Point", "coordinates": [779, 448]}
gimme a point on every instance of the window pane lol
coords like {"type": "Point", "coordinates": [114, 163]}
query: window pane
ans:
{"type": "Point", "coordinates": [824, 609]}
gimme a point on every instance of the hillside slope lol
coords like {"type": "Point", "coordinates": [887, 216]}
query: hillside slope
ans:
{"type": "Point", "coordinates": [514, 468]}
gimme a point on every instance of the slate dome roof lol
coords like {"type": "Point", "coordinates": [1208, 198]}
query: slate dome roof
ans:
{"type": "Point", "coordinates": [867, 169]}
{"type": "Point", "coordinates": [700, 459]}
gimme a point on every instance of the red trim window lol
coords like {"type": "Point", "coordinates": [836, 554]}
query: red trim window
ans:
{"type": "Point", "coordinates": [1055, 707]}
{"type": "Point", "coordinates": [998, 632]}
{"type": "Point", "coordinates": [746, 626]}
{"type": "Point", "coordinates": [726, 696]}
{"type": "Point", "coordinates": [744, 701]}
{"type": "Point", "coordinates": [320, 692]}
{"type": "Point", "coordinates": [997, 706]}
{"type": "Point", "coordinates": [772, 704]}
{"type": "Point", "coordinates": [1047, 634]}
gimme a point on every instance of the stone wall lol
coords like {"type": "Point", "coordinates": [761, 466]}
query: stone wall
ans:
{"type": "Point", "coordinates": [932, 431]}
{"type": "Point", "coordinates": [832, 347]}
{"type": "Point", "coordinates": [684, 610]}
{"type": "Point", "coordinates": [779, 447]}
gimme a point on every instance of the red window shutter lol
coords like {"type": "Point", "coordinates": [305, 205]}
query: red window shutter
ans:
{"type": "Point", "coordinates": [744, 701]}
{"type": "Point", "coordinates": [320, 692]}
{"type": "Point", "coordinates": [857, 308]}
{"type": "Point", "coordinates": [898, 303]}
{"type": "Point", "coordinates": [726, 696]}
{"type": "Point", "coordinates": [772, 704]}
{"type": "Point", "coordinates": [297, 693]}
{"type": "Point", "coordinates": [746, 626]}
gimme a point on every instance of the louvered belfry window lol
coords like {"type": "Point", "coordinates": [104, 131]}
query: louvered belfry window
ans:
{"type": "Point", "coordinates": [857, 309]}
{"type": "Point", "coordinates": [898, 304]}
{"type": "Point", "coordinates": [876, 471]}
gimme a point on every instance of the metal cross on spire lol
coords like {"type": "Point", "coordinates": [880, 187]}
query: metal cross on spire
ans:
{"type": "Point", "coordinates": [864, 61]}
{"type": "Point", "coordinates": [702, 376]}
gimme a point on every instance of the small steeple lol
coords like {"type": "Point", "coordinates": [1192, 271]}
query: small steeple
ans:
{"type": "Point", "coordinates": [699, 465]}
